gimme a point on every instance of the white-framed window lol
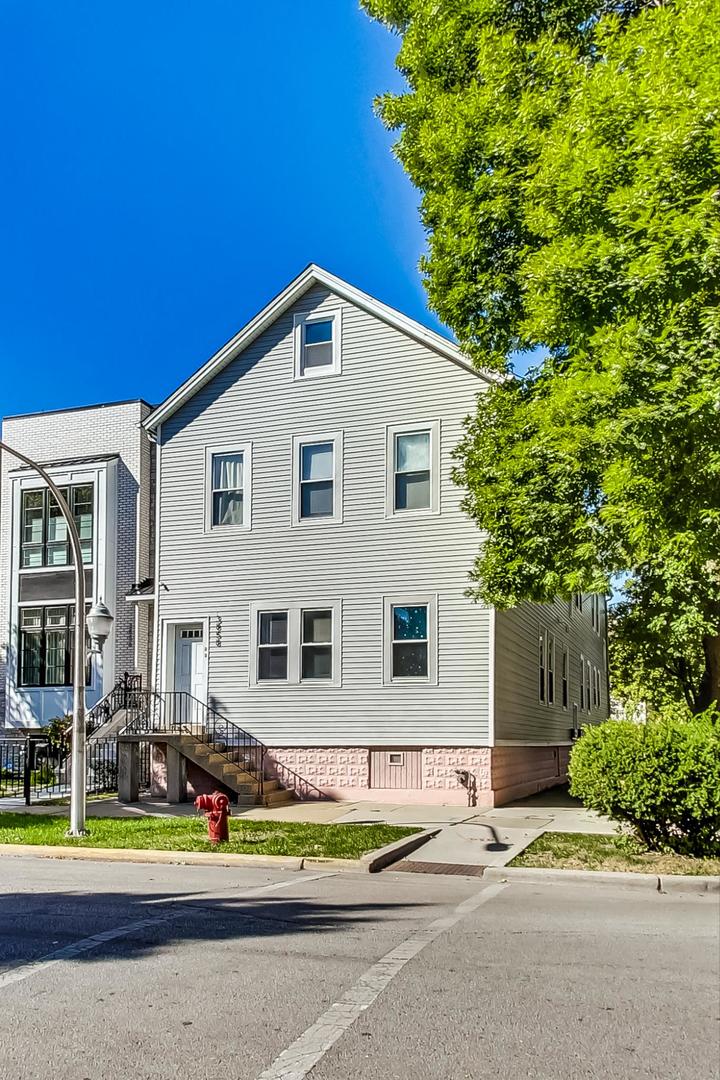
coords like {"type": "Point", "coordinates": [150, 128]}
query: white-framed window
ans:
{"type": "Point", "coordinates": [596, 687]}
{"type": "Point", "coordinates": [396, 759]}
{"type": "Point", "coordinates": [578, 601]}
{"type": "Point", "coordinates": [295, 644]}
{"type": "Point", "coordinates": [582, 683]}
{"type": "Point", "coordinates": [565, 676]}
{"type": "Point", "coordinates": [596, 608]}
{"type": "Point", "coordinates": [318, 344]}
{"type": "Point", "coordinates": [317, 484]}
{"type": "Point", "coordinates": [413, 469]}
{"type": "Point", "coordinates": [550, 668]}
{"type": "Point", "coordinates": [410, 639]}
{"type": "Point", "coordinates": [228, 479]}
{"type": "Point", "coordinates": [588, 683]}
{"type": "Point", "coordinates": [542, 670]}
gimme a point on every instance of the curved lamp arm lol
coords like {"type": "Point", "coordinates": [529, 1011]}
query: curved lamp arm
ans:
{"type": "Point", "coordinates": [77, 779]}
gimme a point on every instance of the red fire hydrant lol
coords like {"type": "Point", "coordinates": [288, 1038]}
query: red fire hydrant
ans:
{"type": "Point", "coordinates": [217, 812]}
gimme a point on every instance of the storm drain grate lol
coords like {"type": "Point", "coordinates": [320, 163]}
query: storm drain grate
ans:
{"type": "Point", "coordinates": [459, 869]}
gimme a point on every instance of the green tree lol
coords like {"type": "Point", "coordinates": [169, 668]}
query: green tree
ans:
{"type": "Point", "coordinates": [568, 158]}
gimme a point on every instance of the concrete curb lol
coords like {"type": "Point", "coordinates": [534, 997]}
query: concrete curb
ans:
{"type": "Point", "coordinates": [665, 883]}
{"type": "Point", "coordinates": [368, 864]}
{"type": "Point", "coordinates": [384, 856]}
{"type": "Point", "coordinates": [148, 855]}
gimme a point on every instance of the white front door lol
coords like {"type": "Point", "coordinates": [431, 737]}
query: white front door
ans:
{"type": "Point", "coordinates": [190, 660]}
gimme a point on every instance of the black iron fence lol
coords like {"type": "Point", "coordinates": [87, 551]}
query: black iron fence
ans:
{"type": "Point", "coordinates": [35, 769]}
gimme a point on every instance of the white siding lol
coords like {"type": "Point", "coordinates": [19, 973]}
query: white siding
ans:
{"type": "Point", "coordinates": [519, 714]}
{"type": "Point", "coordinates": [386, 379]}
{"type": "Point", "coordinates": [123, 532]}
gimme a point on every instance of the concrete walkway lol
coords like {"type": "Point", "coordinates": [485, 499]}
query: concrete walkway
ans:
{"type": "Point", "coordinates": [469, 837]}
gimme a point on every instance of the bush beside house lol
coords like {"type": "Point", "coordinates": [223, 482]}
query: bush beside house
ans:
{"type": "Point", "coordinates": [661, 777]}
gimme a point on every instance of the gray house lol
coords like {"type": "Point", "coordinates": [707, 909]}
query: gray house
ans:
{"type": "Point", "coordinates": [312, 563]}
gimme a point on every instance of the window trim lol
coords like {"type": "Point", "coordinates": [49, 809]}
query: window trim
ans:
{"type": "Point", "coordinates": [295, 611]}
{"type": "Point", "coordinates": [433, 428]}
{"type": "Point", "coordinates": [410, 600]}
{"type": "Point", "coordinates": [565, 678]}
{"type": "Point", "coordinates": [245, 449]}
{"type": "Point", "coordinates": [300, 321]}
{"type": "Point", "coordinates": [550, 653]}
{"type": "Point", "coordinates": [582, 683]}
{"type": "Point", "coordinates": [298, 441]}
{"type": "Point", "coordinates": [542, 668]}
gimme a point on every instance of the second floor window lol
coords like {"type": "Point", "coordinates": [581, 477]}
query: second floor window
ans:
{"type": "Point", "coordinates": [317, 469]}
{"type": "Point", "coordinates": [228, 489]}
{"type": "Point", "coordinates": [412, 471]}
{"type": "Point", "coordinates": [413, 466]}
{"type": "Point", "coordinates": [317, 489]}
{"type": "Point", "coordinates": [44, 534]}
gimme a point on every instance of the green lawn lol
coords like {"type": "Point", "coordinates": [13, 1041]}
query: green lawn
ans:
{"type": "Point", "coordinates": [190, 834]}
{"type": "Point", "coordinates": [578, 851]}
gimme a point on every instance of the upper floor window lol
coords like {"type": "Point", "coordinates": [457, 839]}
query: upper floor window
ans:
{"type": "Point", "coordinates": [595, 608]}
{"type": "Point", "coordinates": [410, 639]}
{"type": "Point", "coordinates": [565, 677]}
{"type": "Point", "coordinates": [228, 487]}
{"type": "Point", "coordinates": [413, 466]}
{"type": "Point", "coordinates": [542, 670]}
{"type": "Point", "coordinates": [317, 344]}
{"type": "Point", "coordinates": [46, 646]}
{"type": "Point", "coordinates": [317, 494]}
{"type": "Point", "coordinates": [44, 537]}
{"type": "Point", "coordinates": [550, 669]}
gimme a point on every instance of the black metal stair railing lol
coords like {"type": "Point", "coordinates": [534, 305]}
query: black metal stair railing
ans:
{"type": "Point", "coordinates": [179, 713]}
{"type": "Point", "coordinates": [123, 694]}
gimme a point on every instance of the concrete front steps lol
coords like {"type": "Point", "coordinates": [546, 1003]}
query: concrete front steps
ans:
{"type": "Point", "coordinates": [229, 767]}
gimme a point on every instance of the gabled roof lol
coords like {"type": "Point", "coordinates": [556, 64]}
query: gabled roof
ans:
{"type": "Point", "coordinates": [311, 275]}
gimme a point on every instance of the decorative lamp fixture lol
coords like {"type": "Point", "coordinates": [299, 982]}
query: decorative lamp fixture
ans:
{"type": "Point", "coordinates": [99, 624]}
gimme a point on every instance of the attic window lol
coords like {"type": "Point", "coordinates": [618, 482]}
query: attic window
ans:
{"type": "Point", "coordinates": [317, 345]}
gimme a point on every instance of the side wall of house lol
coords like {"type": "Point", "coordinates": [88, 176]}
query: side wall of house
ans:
{"type": "Point", "coordinates": [386, 379]}
{"type": "Point", "coordinates": [533, 734]}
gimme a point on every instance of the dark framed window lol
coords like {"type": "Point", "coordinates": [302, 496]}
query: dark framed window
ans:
{"type": "Point", "coordinates": [47, 636]}
{"type": "Point", "coordinates": [44, 537]}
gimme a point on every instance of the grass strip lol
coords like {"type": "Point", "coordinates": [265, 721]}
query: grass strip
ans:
{"type": "Point", "coordinates": [190, 834]}
{"type": "Point", "coordinates": [581, 851]}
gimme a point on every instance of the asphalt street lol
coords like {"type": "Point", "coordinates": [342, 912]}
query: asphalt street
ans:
{"type": "Point", "coordinates": [123, 971]}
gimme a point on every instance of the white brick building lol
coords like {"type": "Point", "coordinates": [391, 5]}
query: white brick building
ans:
{"type": "Point", "coordinates": [102, 458]}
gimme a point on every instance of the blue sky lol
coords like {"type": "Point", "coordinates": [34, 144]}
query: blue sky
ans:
{"type": "Point", "coordinates": [167, 167]}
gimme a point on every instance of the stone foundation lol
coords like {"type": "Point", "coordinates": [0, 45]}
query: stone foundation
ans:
{"type": "Point", "coordinates": [496, 775]}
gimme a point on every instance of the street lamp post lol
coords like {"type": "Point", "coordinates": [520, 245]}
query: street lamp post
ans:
{"type": "Point", "coordinates": [77, 776]}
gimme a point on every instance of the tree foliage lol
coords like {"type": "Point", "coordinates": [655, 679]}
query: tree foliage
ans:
{"type": "Point", "coordinates": [568, 157]}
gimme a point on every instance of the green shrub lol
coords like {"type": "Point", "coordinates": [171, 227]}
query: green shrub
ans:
{"type": "Point", "coordinates": [661, 777]}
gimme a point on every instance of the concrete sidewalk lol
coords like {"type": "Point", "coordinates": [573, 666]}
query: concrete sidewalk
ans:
{"type": "Point", "coordinates": [469, 836]}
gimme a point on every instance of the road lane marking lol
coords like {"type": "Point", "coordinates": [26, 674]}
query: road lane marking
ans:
{"type": "Point", "coordinates": [300, 1057]}
{"type": "Point", "coordinates": [77, 948]}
